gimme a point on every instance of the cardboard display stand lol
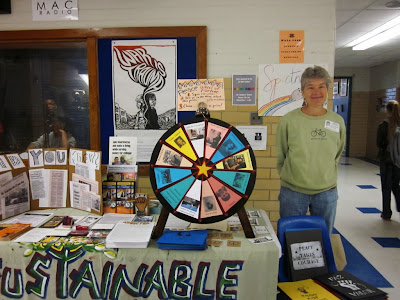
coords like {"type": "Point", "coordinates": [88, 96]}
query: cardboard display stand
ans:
{"type": "Point", "coordinates": [54, 159]}
{"type": "Point", "coordinates": [49, 159]}
{"type": "Point", "coordinates": [90, 157]}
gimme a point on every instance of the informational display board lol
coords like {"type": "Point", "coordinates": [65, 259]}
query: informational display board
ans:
{"type": "Point", "coordinates": [203, 170]}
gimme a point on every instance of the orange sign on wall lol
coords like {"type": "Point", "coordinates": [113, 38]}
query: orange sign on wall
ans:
{"type": "Point", "coordinates": [291, 46]}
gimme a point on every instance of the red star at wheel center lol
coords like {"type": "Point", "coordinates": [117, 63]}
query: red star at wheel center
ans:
{"type": "Point", "coordinates": [203, 169]}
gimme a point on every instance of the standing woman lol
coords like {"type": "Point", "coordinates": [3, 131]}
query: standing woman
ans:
{"type": "Point", "coordinates": [310, 141]}
{"type": "Point", "coordinates": [390, 174]}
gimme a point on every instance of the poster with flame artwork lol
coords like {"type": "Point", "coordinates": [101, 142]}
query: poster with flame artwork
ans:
{"type": "Point", "coordinates": [144, 74]}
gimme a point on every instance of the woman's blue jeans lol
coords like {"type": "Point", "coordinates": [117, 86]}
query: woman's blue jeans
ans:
{"type": "Point", "coordinates": [297, 204]}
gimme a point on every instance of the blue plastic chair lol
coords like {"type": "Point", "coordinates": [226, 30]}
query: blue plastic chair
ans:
{"type": "Point", "coordinates": [302, 223]}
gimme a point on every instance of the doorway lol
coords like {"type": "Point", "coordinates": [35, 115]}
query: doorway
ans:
{"type": "Point", "coordinates": [342, 104]}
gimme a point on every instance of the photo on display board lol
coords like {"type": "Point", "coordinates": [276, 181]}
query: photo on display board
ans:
{"type": "Point", "coordinates": [213, 138]}
{"type": "Point", "coordinates": [190, 203]}
{"type": "Point", "coordinates": [169, 157]}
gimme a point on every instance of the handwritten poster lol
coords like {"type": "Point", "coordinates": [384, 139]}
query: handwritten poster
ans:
{"type": "Point", "coordinates": [279, 88]}
{"type": "Point", "coordinates": [191, 92]}
{"type": "Point", "coordinates": [291, 46]}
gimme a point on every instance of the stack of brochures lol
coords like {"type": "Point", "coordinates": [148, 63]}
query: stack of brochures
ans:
{"type": "Point", "coordinates": [128, 234]}
{"type": "Point", "coordinates": [183, 240]}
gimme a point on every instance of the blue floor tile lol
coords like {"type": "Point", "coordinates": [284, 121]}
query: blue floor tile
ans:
{"type": "Point", "coordinates": [366, 186]}
{"type": "Point", "coordinates": [388, 242]}
{"type": "Point", "coordinates": [360, 267]}
{"type": "Point", "coordinates": [369, 210]}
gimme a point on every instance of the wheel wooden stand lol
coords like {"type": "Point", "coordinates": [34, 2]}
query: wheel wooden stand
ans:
{"type": "Point", "coordinates": [162, 220]}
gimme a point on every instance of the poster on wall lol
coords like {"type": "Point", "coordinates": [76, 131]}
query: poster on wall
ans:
{"type": "Point", "coordinates": [209, 91]}
{"type": "Point", "coordinates": [244, 89]}
{"type": "Point", "coordinates": [144, 90]}
{"type": "Point", "coordinates": [343, 87]}
{"type": "Point", "coordinates": [279, 88]}
{"type": "Point", "coordinates": [122, 150]}
{"type": "Point", "coordinates": [291, 46]}
{"type": "Point", "coordinates": [336, 88]}
{"type": "Point", "coordinates": [256, 135]}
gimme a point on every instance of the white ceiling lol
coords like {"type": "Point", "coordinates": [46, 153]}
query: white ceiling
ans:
{"type": "Point", "coordinates": [355, 18]}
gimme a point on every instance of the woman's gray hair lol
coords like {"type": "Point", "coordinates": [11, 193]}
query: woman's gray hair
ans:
{"type": "Point", "coordinates": [313, 73]}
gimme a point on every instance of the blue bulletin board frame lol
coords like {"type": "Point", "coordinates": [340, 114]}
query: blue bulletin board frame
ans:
{"type": "Point", "coordinates": [186, 65]}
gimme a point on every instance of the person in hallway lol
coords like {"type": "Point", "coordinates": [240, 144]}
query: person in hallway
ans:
{"type": "Point", "coordinates": [390, 174]}
{"type": "Point", "coordinates": [309, 143]}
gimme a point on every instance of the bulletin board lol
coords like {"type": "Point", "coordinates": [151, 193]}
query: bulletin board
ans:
{"type": "Point", "coordinates": [189, 50]}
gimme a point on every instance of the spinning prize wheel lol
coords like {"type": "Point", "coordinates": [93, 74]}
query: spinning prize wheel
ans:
{"type": "Point", "coordinates": [203, 170]}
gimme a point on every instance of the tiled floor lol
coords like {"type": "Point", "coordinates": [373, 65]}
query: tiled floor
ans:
{"type": "Point", "coordinates": [372, 245]}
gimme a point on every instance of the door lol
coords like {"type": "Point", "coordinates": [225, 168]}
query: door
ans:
{"type": "Point", "coordinates": [341, 104]}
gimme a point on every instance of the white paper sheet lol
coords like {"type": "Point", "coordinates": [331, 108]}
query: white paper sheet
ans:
{"type": "Point", "coordinates": [37, 179]}
{"type": "Point", "coordinates": [14, 196]}
{"type": "Point", "coordinates": [58, 188]}
{"type": "Point", "coordinates": [33, 218]}
{"type": "Point", "coordinates": [109, 220]}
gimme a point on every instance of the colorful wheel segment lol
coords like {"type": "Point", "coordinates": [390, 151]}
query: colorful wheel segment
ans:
{"type": "Point", "coordinates": [203, 170]}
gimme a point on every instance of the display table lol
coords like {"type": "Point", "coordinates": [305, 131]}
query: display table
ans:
{"type": "Point", "coordinates": [61, 271]}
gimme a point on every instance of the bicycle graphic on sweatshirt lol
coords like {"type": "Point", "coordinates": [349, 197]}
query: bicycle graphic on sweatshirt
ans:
{"type": "Point", "coordinates": [317, 131]}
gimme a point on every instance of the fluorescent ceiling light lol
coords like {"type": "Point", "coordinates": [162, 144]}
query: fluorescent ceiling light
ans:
{"type": "Point", "coordinates": [85, 78]}
{"type": "Point", "coordinates": [376, 31]}
{"type": "Point", "coordinates": [380, 38]}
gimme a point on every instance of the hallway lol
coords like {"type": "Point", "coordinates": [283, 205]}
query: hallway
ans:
{"type": "Point", "coordinates": [372, 245]}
